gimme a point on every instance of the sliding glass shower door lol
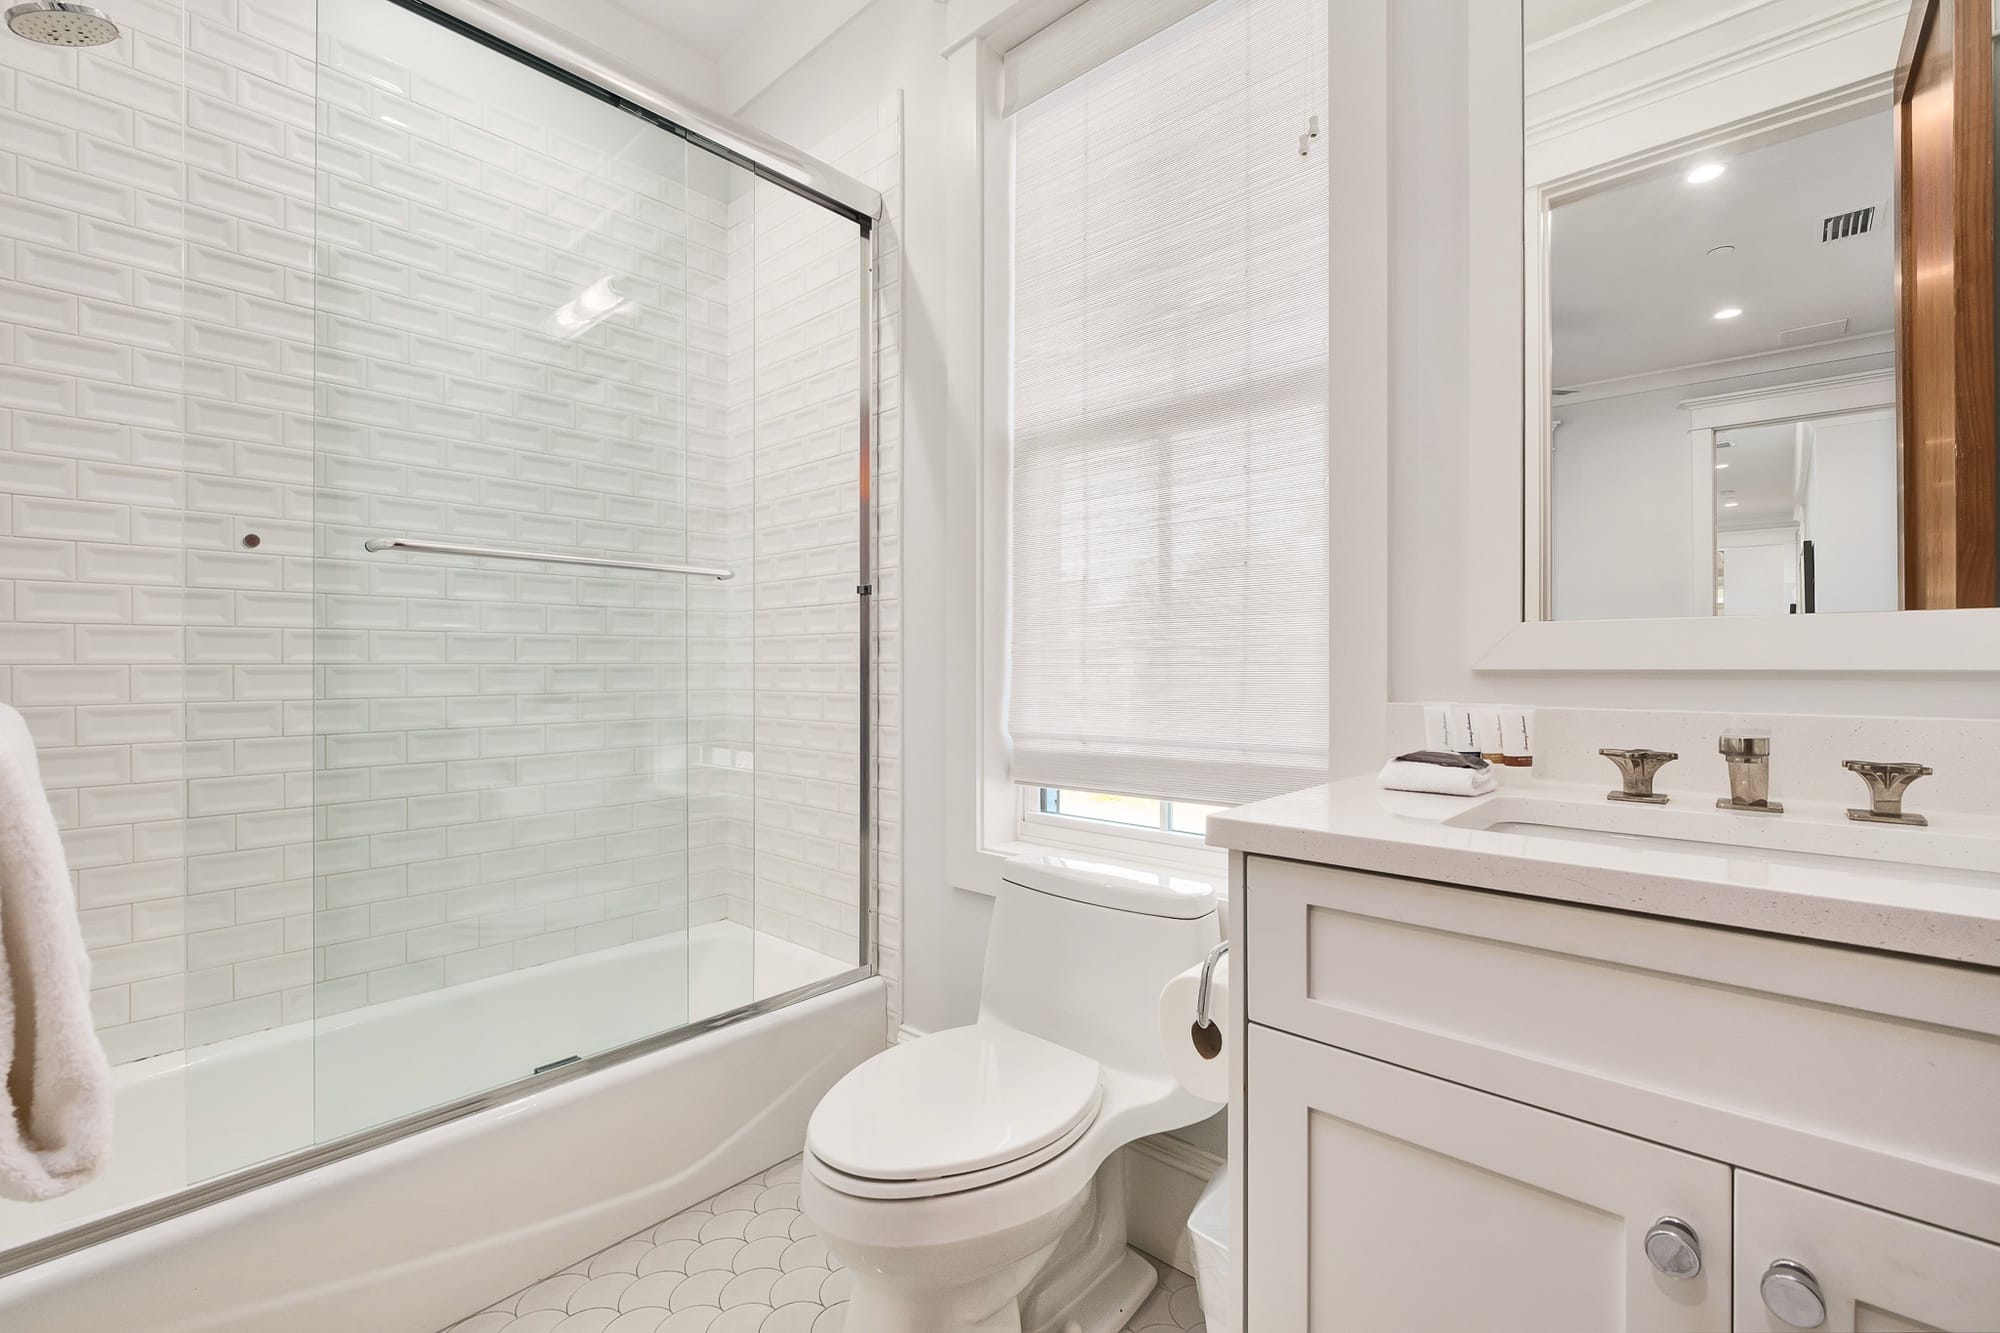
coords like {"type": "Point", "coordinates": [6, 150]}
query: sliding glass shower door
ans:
{"type": "Point", "coordinates": [589, 569]}
{"type": "Point", "coordinates": [518, 397]}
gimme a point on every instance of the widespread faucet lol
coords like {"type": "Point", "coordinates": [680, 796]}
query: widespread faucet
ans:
{"type": "Point", "coordinates": [1749, 759]}
{"type": "Point", "coordinates": [1636, 769]}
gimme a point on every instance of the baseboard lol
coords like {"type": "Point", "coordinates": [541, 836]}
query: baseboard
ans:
{"type": "Point", "coordinates": [1163, 1178]}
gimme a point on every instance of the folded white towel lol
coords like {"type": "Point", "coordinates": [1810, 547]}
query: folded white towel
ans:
{"type": "Point", "coordinates": [1402, 775]}
{"type": "Point", "coordinates": [55, 1086]}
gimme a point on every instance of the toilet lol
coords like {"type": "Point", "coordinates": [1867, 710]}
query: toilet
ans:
{"type": "Point", "coordinates": [971, 1180]}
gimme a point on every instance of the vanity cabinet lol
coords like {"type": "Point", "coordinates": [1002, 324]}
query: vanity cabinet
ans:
{"type": "Point", "coordinates": [1871, 1271]}
{"type": "Point", "coordinates": [1387, 1200]}
{"type": "Point", "coordinates": [1468, 1110]}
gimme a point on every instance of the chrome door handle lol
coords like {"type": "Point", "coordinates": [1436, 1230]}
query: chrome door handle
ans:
{"type": "Point", "coordinates": [1791, 1292]}
{"type": "Point", "coordinates": [1673, 1249]}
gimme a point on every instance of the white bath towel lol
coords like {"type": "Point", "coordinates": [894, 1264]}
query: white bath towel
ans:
{"type": "Point", "coordinates": [55, 1105]}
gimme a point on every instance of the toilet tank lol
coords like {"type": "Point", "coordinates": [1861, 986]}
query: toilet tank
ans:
{"type": "Point", "coordinates": [1080, 949]}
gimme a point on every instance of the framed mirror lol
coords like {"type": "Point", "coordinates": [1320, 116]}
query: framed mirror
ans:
{"type": "Point", "coordinates": [1758, 308]}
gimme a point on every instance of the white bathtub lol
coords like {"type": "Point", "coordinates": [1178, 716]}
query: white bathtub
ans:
{"type": "Point", "coordinates": [411, 1235]}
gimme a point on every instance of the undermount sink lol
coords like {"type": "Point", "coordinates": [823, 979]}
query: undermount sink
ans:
{"type": "Point", "coordinates": [1827, 843]}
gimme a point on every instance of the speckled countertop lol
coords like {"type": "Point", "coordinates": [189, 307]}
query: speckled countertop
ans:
{"type": "Point", "coordinates": [1810, 873]}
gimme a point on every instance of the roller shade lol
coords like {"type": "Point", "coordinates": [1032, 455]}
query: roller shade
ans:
{"type": "Point", "coordinates": [1080, 41]}
{"type": "Point", "coordinates": [1169, 573]}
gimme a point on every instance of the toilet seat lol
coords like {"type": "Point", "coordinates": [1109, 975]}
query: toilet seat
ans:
{"type": "Point", "coordinates": [953, 1111]}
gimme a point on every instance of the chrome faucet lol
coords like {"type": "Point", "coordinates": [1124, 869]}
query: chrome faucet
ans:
{"type": "Point", "coordinates": [1886, 784]}
{"type": "Point", "coordinates": [1749, 759]}
{"type": "Point", "coordinates": [1637, 768]}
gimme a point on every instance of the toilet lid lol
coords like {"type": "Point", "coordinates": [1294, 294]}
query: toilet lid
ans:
{"type": "Point", "coordinates": [957, 1101]}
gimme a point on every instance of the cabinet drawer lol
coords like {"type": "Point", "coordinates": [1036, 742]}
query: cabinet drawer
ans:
{"type": "Point", "coordinates": [1872, 1074]}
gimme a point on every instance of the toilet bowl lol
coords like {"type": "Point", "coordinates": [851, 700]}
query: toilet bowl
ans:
{"type": "Point", "coordinates": [971, 1179]}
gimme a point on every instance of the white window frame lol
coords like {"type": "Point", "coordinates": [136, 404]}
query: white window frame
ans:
{"type": "Point", "coordinates": [988, 821]}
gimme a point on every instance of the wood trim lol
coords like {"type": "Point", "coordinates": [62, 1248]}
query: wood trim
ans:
{"type": "Point", "coordinates": [1943, 127]}
{"type": "Point", "coordinates": [1972, 238]}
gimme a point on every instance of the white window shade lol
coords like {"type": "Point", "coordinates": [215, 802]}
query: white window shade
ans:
{"type": "Point", "coordinates": [1169, 604]}
{"type": "Point", "coordinates": [1080, 41]}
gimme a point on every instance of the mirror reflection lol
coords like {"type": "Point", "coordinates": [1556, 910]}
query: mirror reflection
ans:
{"type": "Point", "coordinates": [1730, 253]}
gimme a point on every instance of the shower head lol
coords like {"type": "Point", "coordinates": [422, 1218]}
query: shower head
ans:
{"type": "Point", "coordinates": [60, 23]}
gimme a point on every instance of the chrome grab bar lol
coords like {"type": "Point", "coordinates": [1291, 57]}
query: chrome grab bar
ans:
{"type": "Point", "coordinates": [546, 557]}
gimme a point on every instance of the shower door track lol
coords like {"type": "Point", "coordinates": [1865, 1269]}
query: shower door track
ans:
{"type": "Point", "coordinates": [251, 1178]}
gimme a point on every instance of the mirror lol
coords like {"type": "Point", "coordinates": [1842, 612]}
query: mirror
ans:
{"type": "Point", "coordinates": [1760, 307]}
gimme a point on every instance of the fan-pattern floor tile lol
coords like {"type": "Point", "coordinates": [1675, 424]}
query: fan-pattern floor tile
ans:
{"type": "Point", "coordinates": [746, 1261]}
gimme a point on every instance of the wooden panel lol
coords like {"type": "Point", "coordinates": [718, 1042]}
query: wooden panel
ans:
{"type": "Point", "coordinates": [1866, 1072]}
{"type": "Point", "coordinates": [1382, 1199]}
{"type": "Point", "coordinates": [1945, 304]}
{"type": "Point", "coordinates": [1876, 1272]}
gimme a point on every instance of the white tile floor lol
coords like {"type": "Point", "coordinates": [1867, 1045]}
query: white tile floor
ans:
{"type": "Point", "coordinates": [745, 1261]}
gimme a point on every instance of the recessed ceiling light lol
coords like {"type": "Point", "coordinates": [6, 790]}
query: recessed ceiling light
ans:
{"type": "Point", "coordinates": [1705, 173]}
{"type": "Point", "coordinates": [1729, 312]}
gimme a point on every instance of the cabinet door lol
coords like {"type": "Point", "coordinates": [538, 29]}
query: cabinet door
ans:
{"type": "Point", "coordinates": [1871, 1272]}
{"type": "Point", "coordinates": [1384, 1201]}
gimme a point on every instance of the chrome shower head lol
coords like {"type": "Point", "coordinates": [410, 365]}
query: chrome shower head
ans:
{"type": "Point", "coordinates": [60, 23]}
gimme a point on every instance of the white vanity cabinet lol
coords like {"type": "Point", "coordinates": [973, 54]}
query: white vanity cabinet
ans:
{"type": "Point", "coordinates": [1469, 1111]}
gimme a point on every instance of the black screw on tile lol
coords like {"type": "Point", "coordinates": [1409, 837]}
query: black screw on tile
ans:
{"type": "Point", "coordinates": [252, 540]}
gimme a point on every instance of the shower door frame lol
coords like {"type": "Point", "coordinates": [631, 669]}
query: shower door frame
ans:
{"type": "Point", "coordinates": [548, 50]}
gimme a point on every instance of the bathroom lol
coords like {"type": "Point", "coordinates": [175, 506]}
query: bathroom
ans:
{"type": "Point", "coordinates": [673, 666]}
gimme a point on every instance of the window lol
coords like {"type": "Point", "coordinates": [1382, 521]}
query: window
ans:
{"type": "Point", "coordinates": [1168, 607]}
{"type": "Point", "coordinates": [1126, 812]}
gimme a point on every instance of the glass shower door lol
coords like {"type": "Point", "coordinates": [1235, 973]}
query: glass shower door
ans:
{"type": "Point", "coordinates": [507, 385]}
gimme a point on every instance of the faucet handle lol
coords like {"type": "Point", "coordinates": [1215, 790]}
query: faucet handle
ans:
{"type": "Point", "coordinates": [1637, 768]}
{"type": "Point", "coordinates": [1886, 784]}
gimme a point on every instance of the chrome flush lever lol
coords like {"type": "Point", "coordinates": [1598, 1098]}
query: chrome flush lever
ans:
{"type": "Point", "coordinates": [1886, 784]}
{"type": "Point", "coordinates": [1637, 768]}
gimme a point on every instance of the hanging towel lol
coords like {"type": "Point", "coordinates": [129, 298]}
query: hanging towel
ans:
{"type": "Point", "coordinates": [55, 1105]}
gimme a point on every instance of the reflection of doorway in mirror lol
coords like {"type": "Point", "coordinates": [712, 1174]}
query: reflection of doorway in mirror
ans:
{"type": "Point", "coordinates": [1805, 517]}
{"type": "Point", "coordinates": [1759, 572]}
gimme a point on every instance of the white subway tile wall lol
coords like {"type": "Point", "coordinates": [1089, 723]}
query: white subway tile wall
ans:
{"type": "Point", "coordinates": [514, 764]}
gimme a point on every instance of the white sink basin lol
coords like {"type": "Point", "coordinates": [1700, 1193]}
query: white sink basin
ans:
{"type": "Point", "coordinates": [1824, 841]}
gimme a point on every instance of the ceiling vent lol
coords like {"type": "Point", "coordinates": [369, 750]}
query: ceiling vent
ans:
{"type": "Point", "coordinates": [1805, 335]}
{"type": "Point", "coordinates": [1841, 226]}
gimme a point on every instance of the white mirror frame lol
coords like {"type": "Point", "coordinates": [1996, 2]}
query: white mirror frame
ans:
{"type": "Point", "coordinates": [1605, 115]}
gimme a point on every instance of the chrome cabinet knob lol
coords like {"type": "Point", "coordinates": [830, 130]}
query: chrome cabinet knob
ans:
{"type": "Point", "coordinates": [1791, 1293]}
{"type": "Point", "coordinates": [1673, 1248]}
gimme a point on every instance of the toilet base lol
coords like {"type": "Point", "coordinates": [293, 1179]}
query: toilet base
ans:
{"type": "Point", "coordinates": [1108, 1305]}
{"type": "Point", "coordinates": [1064, 1271]}
{"type": "Point", "coordinates": [1093, 1283]}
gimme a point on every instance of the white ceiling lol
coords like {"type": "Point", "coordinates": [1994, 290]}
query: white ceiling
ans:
{"type": "Point", "coordinates": [710, 27]}
{"type": "Point", "coordinates": [1762, 476]}
{"type": "Point", "coordinates": [1633, 288]}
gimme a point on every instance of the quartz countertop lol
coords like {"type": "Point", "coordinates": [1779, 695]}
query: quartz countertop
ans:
{"type": "Point", "coordinates": [1810, 873]}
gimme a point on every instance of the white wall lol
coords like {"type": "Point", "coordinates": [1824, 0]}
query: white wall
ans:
{"type": "Point", "coordinates": [1851, 514]}
{"type": "Point", "coordinates": [1431, 657]}
{"type": "Point", "coordinates": [611, 27]}
{"type": "Point", "coordinates": [894, 46]}
{"type": "Point", "coordinates": [1620, 538]}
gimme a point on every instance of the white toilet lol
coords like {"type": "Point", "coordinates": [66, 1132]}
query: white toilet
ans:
{"type": "Point", "coordinates": [970, 1179]}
